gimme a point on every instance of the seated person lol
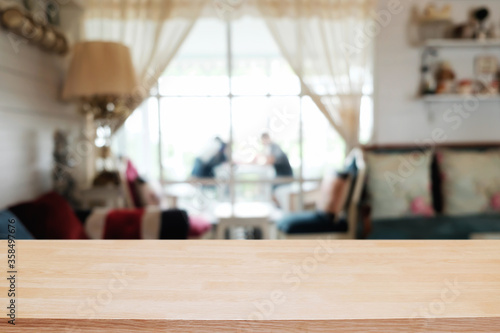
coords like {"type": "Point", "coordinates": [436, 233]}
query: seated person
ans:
{"type": "Point", "coordinates": [211, 156]}
{"type": "Point", "coordinates": [276, 157]}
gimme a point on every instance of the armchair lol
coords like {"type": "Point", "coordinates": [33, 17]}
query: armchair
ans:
{"type": "Point", "coordinates": [320, 224]}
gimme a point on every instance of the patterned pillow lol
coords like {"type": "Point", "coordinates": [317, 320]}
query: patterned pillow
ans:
{"type": "Point", "coordinates": [471, 181]}
{"type": "Point", "coordinates": [334, 194]}
{"type": "Point", "coordinates": [399, 184]}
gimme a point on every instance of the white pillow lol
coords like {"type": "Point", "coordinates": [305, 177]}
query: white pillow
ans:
{"type": "Point", "coordinates": [470, 181]}
{"type": "Point", "coordinates": [399, 184]}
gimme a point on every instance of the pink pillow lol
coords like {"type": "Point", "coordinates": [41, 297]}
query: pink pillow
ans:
{"type": "Point", "coordinates": [131, 173]}
{"type": "Point", "coordinates": [198, 226]}
{"type": "Point", "coordinates": [131, 176]}
{"type": "Point", "coordinates": [495, 202]}
{"type": "Point", "coordinates": [123, 224]}
{"type": "Point", "coordinates": [420, 207]}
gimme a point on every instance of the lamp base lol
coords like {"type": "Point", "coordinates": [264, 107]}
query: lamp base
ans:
{"type": "Point", "coordinates": [106, 178]}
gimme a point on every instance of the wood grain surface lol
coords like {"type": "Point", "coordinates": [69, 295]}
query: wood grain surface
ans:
{"type": "Point", "coordinates": [254, 286]}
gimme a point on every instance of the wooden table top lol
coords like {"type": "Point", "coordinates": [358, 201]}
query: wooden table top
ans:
{"type": "Point", "coordinates": [254, 286]}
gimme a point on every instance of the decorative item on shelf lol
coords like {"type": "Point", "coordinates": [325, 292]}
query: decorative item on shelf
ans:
{"type": "Point", "coordinates": [429, 84]}
{"type": "Point", "coordinates": [18, 21]}
{"type": "Point", "coordinates": [445, 77]}
{"type": "Point", "coordinates": [435, 23]}
{"type": "Point", "coordinates": [486, 71]}
{"type": "Point", "coordinates": [476, 27]}
{"type": "Point", "coordinates": [481, 15]}
{"type": "Point", "coordinates": [466, 30]}
{"type": "Point", "coordinates": [43, 11]}
{"type": "Point", "coordinates": [466, 87]}
{"type": "Point", "coordinates": [432, 13]}
{"type": "Point", "coordinates": [498, 81]}
{"type": "Point", "coordinates": [102, 79]}
{"type": "Point", "coordinates": [37, 10]}
{"type": "Point", "coordinates": [494, 31]}
{"type": "Point", "coordinates": [494, 87]}
{"type": "Point", "coordinates": [49, 39]}
{"type": "Point", "coordinates": [52, 9]}
{"type": "Point", "coordinates": [14, 19]}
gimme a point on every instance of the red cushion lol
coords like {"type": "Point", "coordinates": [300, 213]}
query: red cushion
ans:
{"type": "Point", "coordinates": [123, 224]}
{"type": "Point", "coordinates": [131, 172]}
{"type": "Point", "coordinates": [31, 215]}
{"type": "Point", "coordinates": [50, 217]}
{"type": "Point", "coordinates": [131, 175]}
{"type": "Point", "coordinates": [198, 226]}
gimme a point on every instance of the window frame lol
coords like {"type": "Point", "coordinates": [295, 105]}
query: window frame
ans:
{"type": "Point", "coordinates": [231, 180]}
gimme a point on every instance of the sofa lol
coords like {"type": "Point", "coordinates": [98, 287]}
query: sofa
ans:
{"type": "Point", "coordinates": [51, 217]}
{"type": "Point", "coordinates": [453, 192]}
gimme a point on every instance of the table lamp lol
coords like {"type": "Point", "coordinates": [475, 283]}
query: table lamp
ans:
{"type": "Point", "coordinates": [102, 79]}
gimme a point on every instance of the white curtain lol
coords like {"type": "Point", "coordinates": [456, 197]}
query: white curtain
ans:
{"type": "Point", "coordinates": [154, 30]}
{"type": "Point", "coordinates": [328, 43]}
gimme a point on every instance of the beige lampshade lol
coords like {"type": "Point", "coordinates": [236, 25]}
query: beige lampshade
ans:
{"type": "Point", "coordinates": [99, 69]}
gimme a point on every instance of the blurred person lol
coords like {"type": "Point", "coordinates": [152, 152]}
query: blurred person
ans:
{"type": "Point", "coordinates": [275, 156]}
{"type": "Point", "coordinates": [211, 156]}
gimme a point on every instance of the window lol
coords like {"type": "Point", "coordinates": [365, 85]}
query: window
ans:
{"type": "Point", "coordinates": [230, 81]}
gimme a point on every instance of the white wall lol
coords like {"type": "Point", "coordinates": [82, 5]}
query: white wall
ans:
{"type": "Point", "coordinates": [400, 117]}
{"type": "Point", "coordinates": [30, 82]}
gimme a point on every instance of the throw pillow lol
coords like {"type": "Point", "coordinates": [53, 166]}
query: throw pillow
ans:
{"type": "Point", "coordinates": [50, 217]}
{"type": "Point", "coordinates": [399, 184]}
{"type": "Point", "coordinates": [147, 195]}
{"type": "Point", "coordinates": [131, 176]}
{"type": "Point", "coordinates": [198, 226]}
{"type": "Point", "coordinates": [334, 194]}
{"type": "Point", "coordinates": [471, 181]}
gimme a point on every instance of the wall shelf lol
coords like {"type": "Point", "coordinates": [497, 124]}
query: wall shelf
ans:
{"type": "Point", "coordinates": [455, 98]}
{"type": "Point", "coordinates": [462, 43]}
